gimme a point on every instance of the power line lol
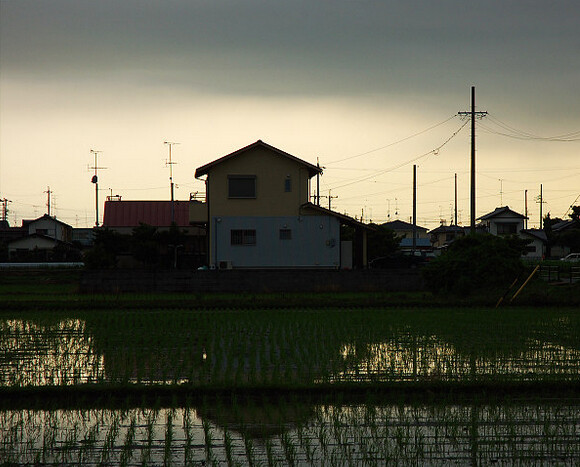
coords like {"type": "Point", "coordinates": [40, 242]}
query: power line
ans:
{"type": "Point", "coordinates": [395, 142]}
{"type": "Point", "coordinates": [398, 166]}
{"type": "Point", "coordinates": [511, 132]}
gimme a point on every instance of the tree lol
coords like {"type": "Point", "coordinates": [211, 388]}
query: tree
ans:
{"type": "Point", "coordinates": [107, 245]}
{"type": "Point", "coordinates": [477, 262]}
{"type": "Point", "coordinates": [381, 242]}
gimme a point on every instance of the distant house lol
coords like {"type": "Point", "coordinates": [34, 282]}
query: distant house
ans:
{"type": "Point", "coordinates": [43, 239]}
{"type": "Point", "coordinates": [123, 216]}
{"type": "Point", "coordinates": [405, 229]}
{"type": "Point", "coordinates": [444, 235]}
{"type": "Point", "coordinates": [503, 221]}
{"type": "Point", "coordinates": [404, 232]}
{"type": "Point", "coordinates": [538, 241]}
{"type": "Point", "coordinates": [258, 214]}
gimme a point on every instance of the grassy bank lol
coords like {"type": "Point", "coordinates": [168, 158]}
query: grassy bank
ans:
{"type": "Point", "coordinates": [59, 290]}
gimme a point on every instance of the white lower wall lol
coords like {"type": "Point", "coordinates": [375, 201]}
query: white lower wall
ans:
{"type": "Point", "coordinates": [315, 242]}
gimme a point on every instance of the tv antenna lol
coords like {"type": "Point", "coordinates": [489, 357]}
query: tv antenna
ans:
{"type": "Point", "coordinates": [170, 163]}
{"type": "Point", "coordinates": [95, 180]}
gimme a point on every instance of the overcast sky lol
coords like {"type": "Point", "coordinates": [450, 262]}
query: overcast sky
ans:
{"type": "Point", "coordinates": [353, 83]}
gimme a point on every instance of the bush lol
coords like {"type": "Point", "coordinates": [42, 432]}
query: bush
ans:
{"type": "Point", "coordinates": [477, 262]}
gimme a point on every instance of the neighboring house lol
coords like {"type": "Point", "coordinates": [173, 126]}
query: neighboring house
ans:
{"type": "Point", "coordinates": [559, 251]}
{"type": "Point", "coordinates": [49, 226]}
{"type": "Point", "coordinates": [538, 242]}
{"type": "Point", "coordinates": [124, 216]}
{"type": "Point", "coordinates": [258, 214]}
{"type": "Point", "coordinates": [444, 235]}
{"type": "Point", "coordinates": [503, 221]}
{"type": "Point", "coordinates": [43, 239]}
{"type": "Point", "coordinates": [405, 229]}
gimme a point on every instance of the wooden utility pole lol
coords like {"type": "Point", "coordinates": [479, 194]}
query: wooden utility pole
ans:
{"type": "Point", "coordinates": [170, 163]}
{"type": "Point", "coordinates": [455, 199]}
{"type": "Point", "coordinates": [472, 113]}
{"type": "Point", "coordinates": [95, 180]}
{"type": "Point", "coordinates": [414, 208]}
{"type": "Point", "coordinates": [48, 193]}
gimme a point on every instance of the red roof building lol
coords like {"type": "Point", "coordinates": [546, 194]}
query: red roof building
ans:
{"type": "Point", "coordinates": [123, 214]}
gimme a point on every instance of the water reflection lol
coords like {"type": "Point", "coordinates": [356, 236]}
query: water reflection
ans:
{"type": "Point", "coordinates": [304, 433]}
{"type": "Point", "coordinates": [55, 354]}
{"type": "Point", "coordinates": [268, 348]}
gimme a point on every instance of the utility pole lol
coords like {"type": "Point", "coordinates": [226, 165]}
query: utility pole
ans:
{"type": "Point", "coordinates": [170, 164]}
{"type": "Point", "coordinates": [330, 198]}
{"type": "Point", "coordinates": [318, 183]}
{"type": "Point", "coordinates": [48, 192]}
{"type": "Point", "coordinates": [526, 208]}
{"type": "Point", "coordinates": [472, 113]}
{"type": "Point", "coordinates": [455, 199]}
{"type": "Point", "coordinates": [95, 180]}
{"type": "Point", "coordinates": [414, 208]}
{"type": "Point", "coordinates": [541, 201]}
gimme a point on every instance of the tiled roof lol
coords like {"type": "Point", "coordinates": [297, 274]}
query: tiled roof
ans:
{"type": "Point", "coordinates": [402, 225]}
{"type": "Point", "coordinates": [203, 170]}
{"type": "Point", "coordinates": [502, 210]}
{"type": "Point", "coordinates": [155, 213]}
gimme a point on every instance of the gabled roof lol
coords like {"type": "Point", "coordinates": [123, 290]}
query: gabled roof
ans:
{"type": "Point", "coordinates": [402, 225]}
{"type": "Point", "coordinates": [155, 213]}
{"type": "Point", "coordinates": [565, 225]}
{"type": "Point", "coordinates": [447, 229]}
{"type": "Point", "coordinates": [345, 219]}
{"type": "Point", "coordinates": [536, 233]}
{"type": "Point", "coordinates": [204, 169]}
{"type": "Point", "coordinates": [41, 218]}
{"type": "Point", "coordinates": [502, 210]}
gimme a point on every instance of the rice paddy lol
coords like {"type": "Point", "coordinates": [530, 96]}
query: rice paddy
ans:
{"type": "Point", "coordinates": [298, 350]}
{"type": "Point", "coordinates": [255, 348]}
{"type": "Point", "coordinates": [295, 433]}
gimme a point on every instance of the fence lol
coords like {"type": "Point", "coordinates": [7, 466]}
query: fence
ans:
{"type": "Point", "coordinates": [560, 273]}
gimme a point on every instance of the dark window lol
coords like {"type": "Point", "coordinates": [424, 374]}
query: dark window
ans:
{"type": "Point", "coordinates": [243, 237]}
{"type": "Point", "coordinates": [285, 234]}
{"type": "Point", "coordinates": [288, 184]}
{"type": "Point", "coordinates": [42, 231]}
{"type": "Point", "coordinates": [507, 228]}
{"type": "Point", "coordinates": [241, 186]}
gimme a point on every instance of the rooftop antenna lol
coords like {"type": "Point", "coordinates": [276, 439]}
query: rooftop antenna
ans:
{"type": "Point", "coordinates": [95, 180]}
{"type": "Point", "coordinates": [501, 191]}
{"type": "Point", "coordinates": [388, 209]}
{"type": "Point", "coordinates": [5, 208]}
{"type": "Point", "coordinates": [170, 164]}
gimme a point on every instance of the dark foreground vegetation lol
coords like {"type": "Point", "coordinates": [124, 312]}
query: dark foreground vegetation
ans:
{"type": "Point", "coordinates": [287, 379]}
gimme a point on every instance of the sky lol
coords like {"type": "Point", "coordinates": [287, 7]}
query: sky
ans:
{"type": "Point", "coordinates": [368, 88]}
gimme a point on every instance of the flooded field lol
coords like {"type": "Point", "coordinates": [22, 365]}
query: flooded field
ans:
{"type": "Point", "coordinates": [296, 433]}
{"type": "Point", "coordinates": [301, 347]}
{"type": "Point", "coordinates": [292, 349]}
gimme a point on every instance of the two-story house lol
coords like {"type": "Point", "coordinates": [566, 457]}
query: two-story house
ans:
{"type": "Point", "coordinates": [258, 214]}
{"type": "Point", "coordinates": [43, 237]}
{"type": "Point", "coordinates": [503, 221]}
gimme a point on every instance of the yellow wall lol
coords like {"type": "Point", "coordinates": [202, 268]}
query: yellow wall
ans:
{"type": "Point", "coordinates": [270, 170]}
